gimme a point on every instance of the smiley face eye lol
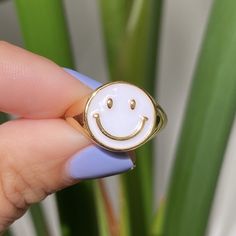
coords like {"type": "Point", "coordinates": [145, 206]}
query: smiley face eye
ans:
{"type": "Point", "coordinates": [132, 104]}
{"type": "Point", "coordinates": [109, 103]}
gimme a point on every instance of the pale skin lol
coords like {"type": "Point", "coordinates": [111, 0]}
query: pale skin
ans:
{"type": "Point", "coordinates": [35, 148]}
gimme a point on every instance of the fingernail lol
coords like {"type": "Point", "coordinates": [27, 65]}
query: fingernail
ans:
{"type": "Point", "coordinates": [91, 83]}
{"type": "Point", "coordinates": [95, 162]}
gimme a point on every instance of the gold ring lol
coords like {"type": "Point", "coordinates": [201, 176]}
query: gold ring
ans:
{"type": "Point", "coordinates": [118, 116]}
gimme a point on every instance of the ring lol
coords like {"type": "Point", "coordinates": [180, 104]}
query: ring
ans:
{"type": "Point", "coordinates": [118, 116]}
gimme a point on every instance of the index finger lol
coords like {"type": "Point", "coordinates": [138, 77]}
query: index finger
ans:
{"type": "Point", "coordinates": [32, 86]}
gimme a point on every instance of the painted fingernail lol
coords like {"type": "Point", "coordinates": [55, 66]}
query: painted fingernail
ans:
{"type": "Point", "coordinates": [91, 83]}
{"type": "Point", "coordinates": [95, 162]}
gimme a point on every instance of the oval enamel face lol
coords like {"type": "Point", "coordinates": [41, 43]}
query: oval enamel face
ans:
{"type": "Point", "coordinates": [120, 116]}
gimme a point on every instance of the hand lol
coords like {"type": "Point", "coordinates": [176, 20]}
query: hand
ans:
{"type": "Point", "coordinates": [40, 153]}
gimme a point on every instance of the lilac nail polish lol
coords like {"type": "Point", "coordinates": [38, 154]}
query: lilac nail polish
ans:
{"type": "Point", "coordinates": [94, 161]}
{"type": "Point", "coordinates": [91, 83]}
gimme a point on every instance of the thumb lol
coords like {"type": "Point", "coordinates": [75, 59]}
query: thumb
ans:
{"type": "Point", "coordinates": [37, 157]}
{"type": "Point", "coordinates": [33, 156]}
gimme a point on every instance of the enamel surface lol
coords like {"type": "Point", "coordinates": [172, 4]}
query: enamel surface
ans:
{"type": "Point", "coordinates": [120, 116]}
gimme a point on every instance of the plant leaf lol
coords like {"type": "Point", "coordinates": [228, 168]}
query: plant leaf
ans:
{"type": "Point", "coordinates": [101, 212]}
{"type": "Point", "coordinates": [133, 59]}
{"type": "Point", "coordinates": [157, 225]}
{"type": "Point", "coordinates": [78, 210]}
{"type": "Point", "coordinates": [44, 29]}
{"type": "Point", "coordinates": [3, 117]}
{"type": "Point", "coordinates": [107, 222]}
{"type": "Point", "coordinates": [39, 220]}
{"type": "Point", "coordinates": [206, 127]}
{"type": "Point", "coordinates": [114, 16]}
{"type": "Point", "coordinates": [7, 233]}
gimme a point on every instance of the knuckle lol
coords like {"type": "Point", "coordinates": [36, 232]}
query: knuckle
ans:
{"type": "Point", "coordinates": [16, 189]}
{"type": "Point", "coordinates": [11, 183]}
{"type": "Point", "coordinates": [13, 189]}
{"type": "Point", "coordinates": [5, 222]}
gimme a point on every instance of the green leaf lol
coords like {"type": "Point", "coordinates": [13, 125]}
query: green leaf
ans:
{"type": "Point", "coordinates": [39, 220]}
{"type": "Point", "coordinates": [206, 127]}
{"type": "Point", "coordinates": [133, 58]}
{"type": "Point", "coordinates": [101, 212]}
{"type": "Point", "coordinates": [114, 16]}
{"type": "Point", "coordinates": [137, 194]}
{"type": "Point", "coordinates": [138, 55]}
{"type": "Point", "coordinates": [157, 225]}
{"type": "Point", "coordinates": [7, 233]}
{"type": "Point", "coordinates": [44, 29]}
{"type": "Point", "coordinates": [78, 210]}
{"type": "Point", "coordinates": [125, 226]}
{"type": "Point", "coordinates": [3, 117]}
{"type": "Point", "coordinates": [107, 222]}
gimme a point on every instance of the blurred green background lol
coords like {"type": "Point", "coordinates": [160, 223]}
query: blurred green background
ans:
{"type": "Point", "coordinates": [161, 46]}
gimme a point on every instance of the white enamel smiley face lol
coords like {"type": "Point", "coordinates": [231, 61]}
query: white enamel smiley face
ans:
{"type": "Point", "coordinates": [120, 116]}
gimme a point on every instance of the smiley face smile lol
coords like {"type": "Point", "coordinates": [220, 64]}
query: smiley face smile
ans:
{"type": "Point", "coordinates": [137, 130]}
